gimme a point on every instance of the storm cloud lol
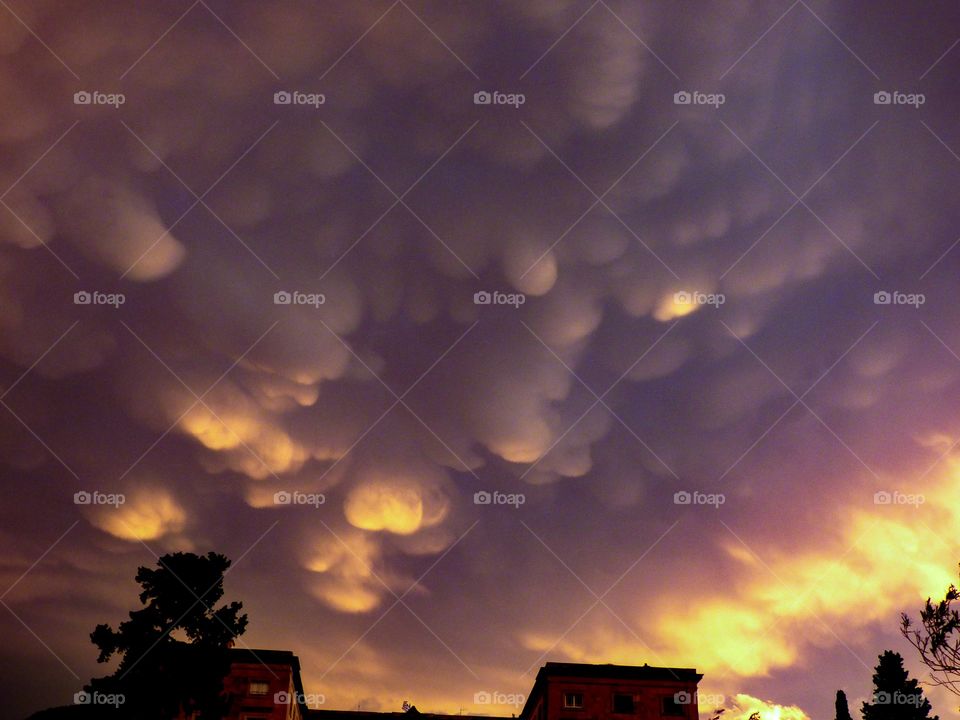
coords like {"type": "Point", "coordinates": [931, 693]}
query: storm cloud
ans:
{"type": "Point", "coordinates": [299, 280]}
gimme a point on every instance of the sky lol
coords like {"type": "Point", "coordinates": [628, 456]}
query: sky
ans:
{"type": "Point", "coordinates": [482, 334]}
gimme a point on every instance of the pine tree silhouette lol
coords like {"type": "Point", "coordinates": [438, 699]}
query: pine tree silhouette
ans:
{"type": "Point", "coordinates": [895, 695]}
{"type": "Point", "coordinates": [843, 711]}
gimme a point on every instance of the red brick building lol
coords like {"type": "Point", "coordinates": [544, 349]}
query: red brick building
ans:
{"type": "Point", "coordinates": [266, 685]}
{"type": "Point", "coordinates": [576, 691]}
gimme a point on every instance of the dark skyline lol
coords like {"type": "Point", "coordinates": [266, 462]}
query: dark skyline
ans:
{"type": "Point", "coordinates": [482, 334]}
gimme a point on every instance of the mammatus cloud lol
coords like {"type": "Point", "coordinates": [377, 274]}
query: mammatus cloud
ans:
{"type": "Point", "coordinates": [688, 303]}
{"type": "Point", "coordinates": [385, 506]}
{"type": "Point", "coordinates": [347, 581]}
{"type": "Point", "coordinates": [100, 212]}
{"type": "Point", "coordinates": [148, 514]}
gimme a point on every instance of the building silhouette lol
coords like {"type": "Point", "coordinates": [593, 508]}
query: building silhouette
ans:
{"type": "Point", "coordinates": [266, 685]}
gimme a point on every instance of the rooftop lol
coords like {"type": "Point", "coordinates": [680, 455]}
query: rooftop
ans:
{"type": "Point", "coordinates": [267, 657]}
{"type": "Point", "coordinates": [618, 672]}
{"type": "Point", "coordinates": [370, 715]}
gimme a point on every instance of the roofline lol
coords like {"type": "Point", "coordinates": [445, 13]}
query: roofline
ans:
{"type": "Point", "coordinates": [383, 713]}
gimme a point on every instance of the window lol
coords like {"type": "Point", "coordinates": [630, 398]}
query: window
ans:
{"type": "Point", "coordinates": [622, 703]}
{"type": "Point", "coordinates": [673, 706]}
{"type": "Point", "coordinates": [573, 700]}
{"type": "Point", "coordinates": [258, 687]}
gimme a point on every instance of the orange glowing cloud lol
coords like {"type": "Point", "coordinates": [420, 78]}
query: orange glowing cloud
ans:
{"type": "Point", "coordinates": [381, 505]}
{"type": "Point", "coordinates": [885, 558]}
{"type": "Point", "coordinates": [745, 705]}
{"type": "Point", "coordinates": [149, 514]}
{"type": "Point", "coordinates": [233, 427]}
{"type": "Point", "coordinates": [884, 553]}
{"type": "Point", "coordinates": [344, 565]}
{"type": "Point", "coordinates": [673, 306]}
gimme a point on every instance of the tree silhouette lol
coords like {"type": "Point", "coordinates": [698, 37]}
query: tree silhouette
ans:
{"type": "Point", "coordinates": [895, 695]}
{"type": "Point", "coordinates": [843, 711]}
{"type": "Point", "coordinates": [938, 639]}
{"type": "Point", "coordinates": [174, 652]}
